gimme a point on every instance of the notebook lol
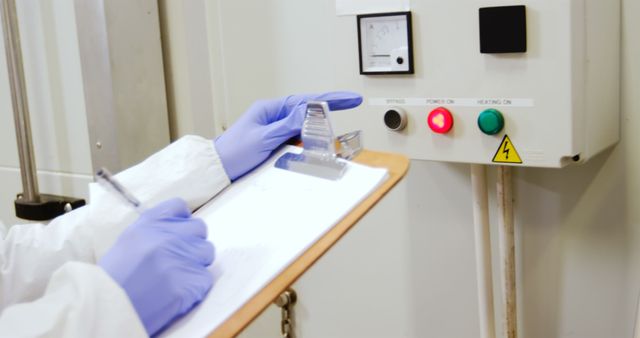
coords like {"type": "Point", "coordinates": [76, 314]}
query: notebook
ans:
{"type": "Point", "coordinates": [261, 224]}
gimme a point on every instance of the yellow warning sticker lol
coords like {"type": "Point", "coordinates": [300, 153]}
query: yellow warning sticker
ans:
{"type": "Point", "coordinates": [506, 153]}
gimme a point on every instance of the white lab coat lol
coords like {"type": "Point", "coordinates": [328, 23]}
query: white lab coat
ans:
{"type": "Point", "coordinates": [49, 283]}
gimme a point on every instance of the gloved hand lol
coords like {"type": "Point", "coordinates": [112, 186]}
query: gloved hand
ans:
{"type": "Point", "coordinates": [266, 125]}
{"type": "Point", "coordinates": [161, 263]}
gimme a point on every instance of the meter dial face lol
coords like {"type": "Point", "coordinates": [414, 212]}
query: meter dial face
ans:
{"type": "Point", "coordinates": [385, 43]}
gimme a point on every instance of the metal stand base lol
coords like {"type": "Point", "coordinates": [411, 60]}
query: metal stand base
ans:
{"type": "Point", "coordinates": [48, 207]}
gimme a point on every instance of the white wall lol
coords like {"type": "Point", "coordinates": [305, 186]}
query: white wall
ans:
{"type": "Point", "coordinates": [189, 60]}
{"type": "Point", "coordinates": [407, 269]}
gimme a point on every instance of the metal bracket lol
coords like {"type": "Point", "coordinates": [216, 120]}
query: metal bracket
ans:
{"type": "Point", "coordinates": [46, 208]}
{"type": "Point", "coordinates": [349, 144]}
{"type": "Point", "coordinates": [319, 157]}
{"type": "Point", "coordinates": [285, 302]}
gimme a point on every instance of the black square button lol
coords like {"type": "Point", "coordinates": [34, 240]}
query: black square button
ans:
{"type": "Point", "coordinates": [503, 29]}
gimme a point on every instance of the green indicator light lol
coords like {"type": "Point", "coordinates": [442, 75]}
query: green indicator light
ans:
{"type": "Point", "coordinates": [490, 121]}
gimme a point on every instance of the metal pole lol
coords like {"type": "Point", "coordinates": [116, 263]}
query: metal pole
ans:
{"type": "Point", "coordinates": [19, 100]}
{"type": "Point", "coordinates": [484, 270]}
{"type": "Point", "coordinates": [507, 250]}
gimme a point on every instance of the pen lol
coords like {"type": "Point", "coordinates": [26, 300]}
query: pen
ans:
{"type": "Point", "coordinates": [105, 178]}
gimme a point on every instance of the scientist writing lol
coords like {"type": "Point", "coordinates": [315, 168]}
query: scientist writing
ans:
{"type": "Point", "coordinates": [100, 272]}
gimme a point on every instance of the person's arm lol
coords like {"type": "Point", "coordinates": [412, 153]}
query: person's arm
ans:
{"type": "Point", "coordinates": [190, 169]}
{"type": "Point", "coordinates": [81, 300]}
{"type": "Point", "coordinates": [29, 254]}
{"type": "Point", "coordinates": [156, 271]}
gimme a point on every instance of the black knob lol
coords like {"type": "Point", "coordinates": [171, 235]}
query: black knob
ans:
{"type": "Point", "coordinates": [395, 119]}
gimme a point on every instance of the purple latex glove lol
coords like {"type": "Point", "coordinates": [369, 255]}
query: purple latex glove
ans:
{"type": "Point", "coordinates": [266, 125]}
{"type": "Point", "coordinates": [161, 263]}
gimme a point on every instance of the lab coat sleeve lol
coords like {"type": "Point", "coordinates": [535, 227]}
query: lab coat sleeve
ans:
{"type": "Point", "coordinates": [81, 300]}
{"type": "Point", "coordinates": [29, 254]}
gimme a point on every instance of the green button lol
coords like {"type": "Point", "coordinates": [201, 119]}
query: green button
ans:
{"type": "Point", "coordinates": [490, 121]}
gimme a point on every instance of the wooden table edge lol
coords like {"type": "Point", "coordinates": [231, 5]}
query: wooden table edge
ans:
{"type": "Point", "coordinates": [396, 164]}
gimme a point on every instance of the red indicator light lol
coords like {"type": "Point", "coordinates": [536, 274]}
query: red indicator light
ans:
{"type": "Point", "coordinates": [440, 120]}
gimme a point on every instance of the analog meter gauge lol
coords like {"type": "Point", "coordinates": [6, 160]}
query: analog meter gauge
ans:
{"type": "Point", "coordinates": [384, 42]}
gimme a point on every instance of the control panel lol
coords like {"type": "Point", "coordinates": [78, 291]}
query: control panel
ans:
{"type": "Point", "coordinates": [527, 83]}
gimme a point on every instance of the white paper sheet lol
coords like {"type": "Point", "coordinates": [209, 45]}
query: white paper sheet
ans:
{"type": "Point", "coordinates": [260, 225]}
{"type": "Point", "coordinates": [354, 7]}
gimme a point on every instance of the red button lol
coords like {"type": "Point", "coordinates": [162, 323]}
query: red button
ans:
{"type": "Point", "coordinates": [440, 120]}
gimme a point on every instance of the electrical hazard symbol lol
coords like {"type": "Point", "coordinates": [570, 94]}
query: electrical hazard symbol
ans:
{"type": "Point", "coordinates": [507, 152]}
